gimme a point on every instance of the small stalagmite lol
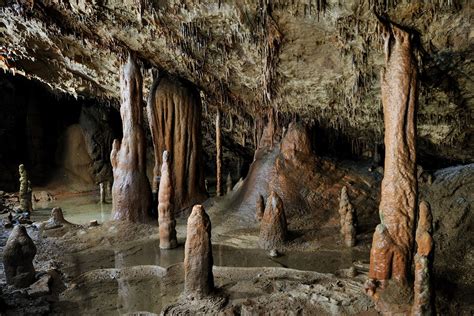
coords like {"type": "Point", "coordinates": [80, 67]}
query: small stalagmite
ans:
{"type": "Point", "coordinates": [273, 227]}
{"type": "Point", "coordinates": [18, 256]}
{"type": "Point", "coordinates": [229, 183]}
{"type": "Point", "coordinates": [422, 302]}
{"type": "Point", "coordinates": [166, 219]}
{"type": "Point", "coordinates": [260, 208]}
{"type": "Point", "coordinates": [347, 220]}
{"type": "Point", "coordinates": [131, 195]}
{"type": "Point", "coordinates": [25, 193]}
{"type": "Point", "coordinates": [198, 278]}
{"type": "Point", "coordinates": [57, 219]}
{"type": "Point", "coordinates": [399, 184]}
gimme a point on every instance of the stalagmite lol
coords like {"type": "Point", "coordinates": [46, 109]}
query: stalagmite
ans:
{"type": "Point", "coordinates": [399, 185]}
{"type": "Point", "coordinates": [218, 154]}
{"type": "Point", "coordinates": [174, 115]}
{"type": "Point", "coordinates": [260, 208]}
{"type": "Point", "coordinates": [198, 278]}
{"type": "Point", "coordinates": [131, 196]}
{"type": "Point", "coordinates": [228, 183]}
{"type": "Point", "coordinates": [165, 207]}
{"type": "Point", "coordinates": [57, 219]}
{"type": "Point", "coordinates": [18, 256]}
{"type": "Point", "coordinates": [273, 228]}
{"type": "Point", "coordinates": [25, 190]}
{"type": "Point", "coordinates": [102, 192]}
{"type": "Point", "coordinates": [346, 212]}
{"type": "Point", "coordinates": [422, 302]}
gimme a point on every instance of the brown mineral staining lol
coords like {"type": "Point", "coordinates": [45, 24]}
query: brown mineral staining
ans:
{"type": "Point", "coordinates": [166, 219]}
{"type": "Point", "coordinates": [131, 195]}
{"type": "Point", "coordinates": [198, 279]}
{"type": "Point", "coordinates": [174, 115]}
{"type": "Point", "coordinates": [346, 212]}
{"type": "Point", "coordinates": [25, 192]}
{"type": "Point", "coordinates": [260, 208]}
{"type": "Point", "coordinates": [296, 142]}
{"type": "Point", "coordinates": [422, 302]}
{"type": "Point", "coordinates": [393, 241]}
{"type": "Point", "coordinates": [18, 256]}
{"type": "Point", "coordinates": [273, 227]}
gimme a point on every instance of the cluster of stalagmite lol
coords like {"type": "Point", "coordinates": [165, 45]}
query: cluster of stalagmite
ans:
{"type": "Point", "coordinates": [18, 256]}
{"type": "Point", "coordinates": [422, 302]}
{"type": "Point", "coordinates": [165, 206]}
{"type": "Point", "coordinates": [131, 195]}
{"type": "Point", "coordinates": [260, 208]}
{"type": "Point", "coordinates": [393, 239]}
{"type": "Point", "coordinates": [174, 115]}
{"type": "Point", "coordinates": [273, 227]}
{"type": "Point", "coordinates": [25, 192]}
{"type": "Point", "coordinates": [198, 261]}
{"type": "Point", "coordinates": [346, 212]}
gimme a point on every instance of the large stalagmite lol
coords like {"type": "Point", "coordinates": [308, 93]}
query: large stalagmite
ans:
{"type": "Point", "coordinates": [131, 195]}
{"type": "Point", "coordinates": [174, 115]}
{"type": "Point", "coordinates": [165, 207]}
{"type": "Point", "coordinates": [394, 238]}
{"type": "Point", "coordinates": [273, 227]}
{"type": "Point", "coordinates": [198, 261]}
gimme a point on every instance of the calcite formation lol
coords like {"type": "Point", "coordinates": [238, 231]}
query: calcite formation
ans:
{"type": "Point", "coordinates": [228, 183]}
{"type": "Point", "coordinates": [218, 154]}
{"type": "Point", "coordinates": [273, 227]}
{"type": "Point", "coordinates": [399, 184]}
{"type": "Point", "coordinates": [296, 142]}
{"type": "Point", "coordinates": [174, 115]}
{"type": "Point", "coordinates": [346, 212]}
{"type": "Point", "coordinates": [25, 192]}
{"type": "Point", "coordinates": [18, 256]}
{"type": "Point", "coordinates": [166, 219]}
{"type": "Point", "coordinates": [131, 195]}
{"type": "Point", "coordinates": [57, 219]}
{"type": "Point", "coordinates": [422, 301]}
{"type": "Point", "coordinates": [260, 208]}
{"type": "Point", "coordinates": [198, 261]}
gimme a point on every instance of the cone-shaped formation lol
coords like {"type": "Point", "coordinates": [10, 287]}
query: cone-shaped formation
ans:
{"type": "Point", "coordinates": [273, 228]}
{"type": "Point", "coordinates": [296, 142]}
{"type": "Point", "coordinates": [165, 207]}
{"type": "Point", "coordinates": [25, 190]}
{"type": "Point", "coordinates": [57, 219]}
{"type": "Point", "coordinates": [198, 277]}
{"type": "Point", "coordinates": [422, 302]}
{"type": "Point", "coordinates": [399, 185]}
{"type": "Point", "coordinates": [174, 115]}
{"type": "Point", "coordinates": [346, 211]}
{"type": "Point", "coordinates": [131, 196]}
{"type": "Point", "coordinates": [229, 183]}
{"type": "Point", "coordinates": [260, 208]}
{"type": "Point", "coordinates": [18, 256]}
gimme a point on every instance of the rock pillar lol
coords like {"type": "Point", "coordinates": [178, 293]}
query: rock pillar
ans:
{"type": "Point", "coordinates": [166, 219]}
{"type": "Point", "coordinates": [273, 227]}
{"type": "Point", "coordinates": [25, 192]}
{"type": "Point", "coordinates": [131, 195]}
{"type": "Point", "coordinates": [346, 212]}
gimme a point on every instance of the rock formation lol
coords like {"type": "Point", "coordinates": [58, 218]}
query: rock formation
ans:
{"type": "Point", "coordinates": [18, 257]}
{"type": "Point", "coordinates": [198, 279]}
{"type": "Point", "coordinates": [131, 196]}
{"type": "Point", "coordinates": [296, 142]}
{"type": "Point", "coordinates": [25, 190]}
{"type": "Point", "coordinates": [346, 212]}
{"type": "Point", "coordinates": [260, 210]}
{"type": "Point", "coordinates": [165, 206]}
{"type": "Point", "coordinates": [228, 184]}
{"type": "Point", "coordinates": [174, 115]}
{"type": "Point", "coordinates": [422, 302]}
{"type": "Point", "coordinates": [399, 185]}
{"type": "Point", "coordinates": [57, 219]}
{"type": "Point", "coordinates": [218, 154]}
{"type": "Point", "coordinates": [273, 228]}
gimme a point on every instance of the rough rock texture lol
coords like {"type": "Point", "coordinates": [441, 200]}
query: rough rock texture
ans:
{"type": "Point", "coordinates": [174, 115]}
{"type": "Point", "coordinates": [423, 294]}
{"type": "Point", "coordinates": [25, 192]}
{"type": "Point", "coordinates": [260, 208]}
{"type": "Point", "coordinates": [198, 277]}
{"type": "Point", "coordinates": [399, 185]}
{"type": "Point", "coordinates": [131, 195]}
{"type": "Point", "coordinates": [166, 219]}
{"type": "Point", "coordinates": [296, 142]}
{"type": "Point", "coordinates": [18, 256]}
{"type": "Point", "coordinates": [273, 227]}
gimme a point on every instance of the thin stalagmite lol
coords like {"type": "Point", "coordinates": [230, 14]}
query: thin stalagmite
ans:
{"type": "Point", "coordinates": [218, 154]}
{"type": "Point", "coordinates": [273, 227]}
{"type": "Point", "coordinates": [228, 184]}
{"type": "Point", "coordinates": [131, 195]}
{"type": "Point", "coordinates": [347, 220]}
{"type": "Point", "coordinates": [174, 115]}
{"type": "Point", "coordinates": [198, 261]}
{"type": "Point", "coordinates": [165, 207]}
{"type": "Point", "coordinates": [399, 185]}
{"type": "Point", "coordinates": [25, 192]}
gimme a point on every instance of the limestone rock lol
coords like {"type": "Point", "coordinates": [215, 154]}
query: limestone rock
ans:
{"type": "Point", "coordinates": [18, 257]}
{"type": "Point", "coordinates": [273, 227]}
{"type": "Point", "coordinates": [40, 287]}
{"type": "Point", "coordinates": [166, 219]}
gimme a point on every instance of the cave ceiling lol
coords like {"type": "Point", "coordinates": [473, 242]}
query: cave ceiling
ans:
{"type": "Point", "coordinates": [317, 60]}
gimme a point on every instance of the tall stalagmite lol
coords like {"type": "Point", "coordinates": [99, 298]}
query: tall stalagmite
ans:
{"type": "Point", "coordinates": [273, 226]}
{"type": "Point", "coordinates": [165, 207]}
{"type": "Point", "coordinates": [198, 261]}
{"type": "Point", "coordinates": [25, 192]}
{"type": "Point", "coordinates": [131, 195]}
{"type": "Point", "coordinates": [399, 185]}
{"type": "Point", "coordinates": [174, 115]}
{"type": "Point", "coordinates": [218, 154]}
